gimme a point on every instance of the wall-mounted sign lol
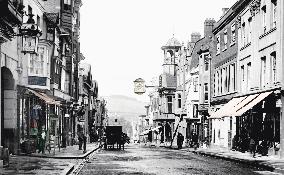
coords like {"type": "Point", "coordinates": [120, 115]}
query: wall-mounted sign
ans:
{"type": "Point", "coordinates": [30, 44]}
{"type": "Point", "coordinates": [139, 86]}
{"type": "Point", "coordinates": [34, 80]}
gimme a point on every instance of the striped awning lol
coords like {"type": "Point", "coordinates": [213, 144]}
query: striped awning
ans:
{"type": "Point", "coordinates": [239, 105]}
{"type": "Point", "coordinates": [44, 97]}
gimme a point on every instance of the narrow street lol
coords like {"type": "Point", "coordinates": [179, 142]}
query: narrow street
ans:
{"type": "Point", "coordinates": [142, 160]}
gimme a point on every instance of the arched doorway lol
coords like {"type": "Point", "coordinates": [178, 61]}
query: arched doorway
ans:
{"type": "Point", "coordinates": [8, 109]}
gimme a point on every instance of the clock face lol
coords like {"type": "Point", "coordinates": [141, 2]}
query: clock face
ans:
{"type": "Point", "coordinates": [139, 88]}
{"type": "Point", "coordinates": [167, 60]}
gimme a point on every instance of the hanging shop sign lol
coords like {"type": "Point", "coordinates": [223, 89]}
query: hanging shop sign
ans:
{"type": "Point", "coordinates": [139, 86]}
{"type": "Point", "coordinates": [30, 44]}
{"type": "Point", "coordinates": [30, 33]}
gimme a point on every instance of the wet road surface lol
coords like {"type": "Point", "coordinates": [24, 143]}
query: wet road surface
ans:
{"type": "Point", "coordinates": [137, 160]}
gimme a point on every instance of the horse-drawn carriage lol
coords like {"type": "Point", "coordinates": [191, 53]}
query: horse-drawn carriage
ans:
{"type": "Point", "coordinates": [115, 136]}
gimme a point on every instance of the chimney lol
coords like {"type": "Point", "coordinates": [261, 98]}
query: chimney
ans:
{"type": "Point", "coordinates": [224, 10]}
{"type": "Point", "coordinates": [195, 37]}
{"type": "Point", "coordinates": [208, 26]}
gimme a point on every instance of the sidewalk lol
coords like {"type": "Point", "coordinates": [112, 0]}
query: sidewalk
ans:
{"type": "Point", "coordinates": [37, 165]}
{"type": "Point", "coordinates": [70, 152]}
{"type": "Point", "coordinates": [62, 162]}
{"type": "Point", "coordinates": [272, 163]}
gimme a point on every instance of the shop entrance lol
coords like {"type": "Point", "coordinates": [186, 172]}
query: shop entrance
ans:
{"type": "Point", "coordinates": [8, 109]}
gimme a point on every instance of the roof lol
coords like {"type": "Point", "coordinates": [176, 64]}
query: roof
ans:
{"type": "Point", "coordinates": [194, 54]}
{"type": "Point", "coordinates": [172, 42]}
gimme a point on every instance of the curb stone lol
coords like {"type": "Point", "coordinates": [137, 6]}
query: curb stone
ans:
{"type": "Point", "coordinates": [255, 163]}
{"type": "Point", "coordinates": [63, 157]}
{"type": "Point", "coordinates": [69, 169]}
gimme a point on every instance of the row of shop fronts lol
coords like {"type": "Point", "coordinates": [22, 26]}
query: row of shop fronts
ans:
{"type": "Point", "coordinates": [226, 88]}
{"type": "Point", "coordinates": [46, 90]}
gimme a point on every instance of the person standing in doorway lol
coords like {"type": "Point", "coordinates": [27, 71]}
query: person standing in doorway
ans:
{"type": "Point", "coordinates": [42, 138]}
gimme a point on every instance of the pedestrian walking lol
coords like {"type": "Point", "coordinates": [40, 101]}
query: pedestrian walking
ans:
{"type": "Point", "coordinates": [84, 143]}
{"type": "Point", "coordinates": [180, 139]}
{"type": "Point", "coordinates": [80, 139]}
{"type": "Point", "coordinates": [195, 140]}
{"type": "Point", "coordinates": [252, 145]}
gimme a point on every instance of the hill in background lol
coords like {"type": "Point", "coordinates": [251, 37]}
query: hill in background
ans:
{"type": "Point", "coordinates": [126, 107]}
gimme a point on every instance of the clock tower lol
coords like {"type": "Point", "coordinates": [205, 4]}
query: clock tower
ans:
{"type": "Point", "coordinates": [171, 56]}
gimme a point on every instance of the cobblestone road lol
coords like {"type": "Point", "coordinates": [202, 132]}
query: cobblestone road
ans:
{"type": "Point", "coordinates": [160, 161]}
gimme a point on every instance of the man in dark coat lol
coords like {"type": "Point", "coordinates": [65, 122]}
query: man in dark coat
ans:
{"type": "Point", "coordinates": [180, 139]}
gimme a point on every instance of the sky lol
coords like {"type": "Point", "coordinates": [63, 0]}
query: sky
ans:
{"type": "Point", "coordinates": [122, 39]}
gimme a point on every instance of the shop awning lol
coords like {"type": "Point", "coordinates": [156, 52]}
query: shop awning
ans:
{"type": "Point", "coordinates": [53, 101]}
{"type": "Point", "coordinates": [245, 101]}
{"type": "Point", "coordinates": [256, 99]}
{"type": "Point", "coordinates": [44, 97]}
{"type": "Point", "coordinates": [239, 105]}
{"type": "Point", "coordinates": [226, 110]}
